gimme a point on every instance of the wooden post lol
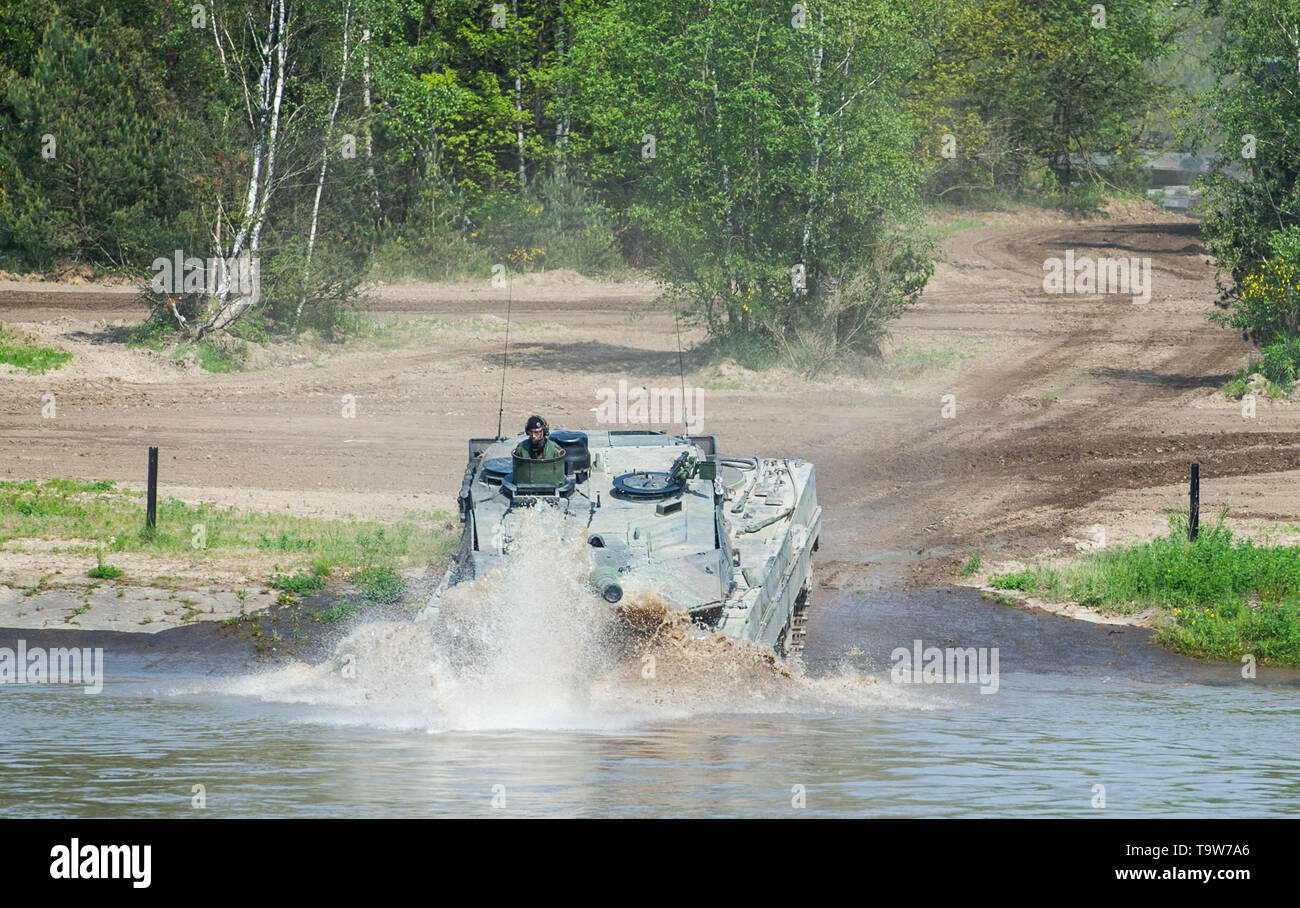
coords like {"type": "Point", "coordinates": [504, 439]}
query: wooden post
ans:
{"type": "Point", "coordinates": [1194, 519]}
{"type": "Point", "coordinates": [151, 512]}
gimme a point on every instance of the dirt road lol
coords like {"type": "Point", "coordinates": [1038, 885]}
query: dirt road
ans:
{"type": "Point", "coordinates": [1075, 415]}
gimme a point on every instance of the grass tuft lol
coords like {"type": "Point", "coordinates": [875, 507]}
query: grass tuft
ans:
{"type": "Point", "coordinates": [23, 354]}
{"type": "Point", "coordinates": [61, 509]}
{"type": "Point", "coordinates": [1219, 597]}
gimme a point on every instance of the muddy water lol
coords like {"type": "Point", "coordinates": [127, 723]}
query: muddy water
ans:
{"type": "Point", "coordinates": [516, 697]}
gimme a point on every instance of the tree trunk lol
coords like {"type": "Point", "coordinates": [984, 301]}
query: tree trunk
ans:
{"type": "Point", "coordinates": [519, 102]}
{"type": "Point", "coordinates": [815, 164]}
{"type": "Point", "coordinates": [370, 153]}
{"type": "Point", "coordinates": [324, 164]}
{"type": "Point", "coordinates": [562, 121]}
{"type": "Point", "coordinates": [273, 53]}
{"type": "Point", "coordinates": [282, 52]}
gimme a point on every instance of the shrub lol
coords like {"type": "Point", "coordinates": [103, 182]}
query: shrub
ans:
{"type": "Point", "coordinates": [1266, 303]}
{"type": "Point", "coordinates": [1281, 362]}
{"type": "Point", "coordinates": [302, 582]}
{"type": "Point", "coordinates": [554, 224]}
{"type": "Point", "coordinates": [1022, 580]}
{"type": "Point", "coordinates": [380, 584]}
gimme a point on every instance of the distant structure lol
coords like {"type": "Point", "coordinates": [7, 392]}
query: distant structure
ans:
{"type": "Point", "coordinates": [1171, 175]}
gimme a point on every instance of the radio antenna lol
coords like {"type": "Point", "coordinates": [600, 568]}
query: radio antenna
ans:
{"type": "Point", "coordinates": [510, 287]}
{"type": "Point", "coordinates": [681, 370]}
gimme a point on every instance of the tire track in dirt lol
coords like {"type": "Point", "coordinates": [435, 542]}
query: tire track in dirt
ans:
{"type": "Point", "coordinates": [1013, 466]}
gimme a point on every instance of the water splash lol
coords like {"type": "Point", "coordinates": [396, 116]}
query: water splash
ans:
{"type": "Point", "coordinates": [531, 646]}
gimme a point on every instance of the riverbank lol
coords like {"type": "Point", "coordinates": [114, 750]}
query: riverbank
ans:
{"type": "Point", "coordinates": [1221, 598]}
{"type": "Point", "coordinates": [74, 555]}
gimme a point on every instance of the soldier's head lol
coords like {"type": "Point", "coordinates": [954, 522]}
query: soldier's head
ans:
{"type": "Point", "coordinates": [536, 430]}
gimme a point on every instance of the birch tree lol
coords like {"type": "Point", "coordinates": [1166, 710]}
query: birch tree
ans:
{"type": "Point", "coordinates": [324, 163]}
{"type": "Point", "coordinates": [765, 229]}
{"type": "Point", "coordinates": [255, 60]}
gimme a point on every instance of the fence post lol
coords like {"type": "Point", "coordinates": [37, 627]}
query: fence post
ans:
{"type": "Point", "coordinates": [151, 509]}
{"type": "Point", "coordinates": [1194, 519]}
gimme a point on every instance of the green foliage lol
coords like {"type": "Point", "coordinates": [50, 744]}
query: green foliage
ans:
{"type": "Point", "coordinates": [1224, 597]}
{"type": "Point", "coordinates": [380, 583]}
{"type": "Point", "coordinates": [774, 146]}
{"type": "Point", "coordinates": [1266, 304]}
{"type": "Point", "coordinates": [1239, 385]}
{"type": "Point", "coordinates": [67, 509]}
{"type": "Point", "coordinates": [91, 151]}
{"type": "Point", "coordinates": [17, 352]}
{"type": "Point", "coordinates": [103, 571]}
{"type": "Point", "coordinates": [763, 159]}
{"type": "Point", "coordinates": [342, 611]}
{"type": "Point", "coordinates": [1249, 117]}
{"type": "Point", "coordinates": [1281, 362]}
{"type": "Point", "coordinates": [220, 357]}
{"type": "Point", "coordinates": [1028, 92]}
{"type": "Point", "coordinates": [301, 583]}
{"type": "Point", "coordinates": [286, 542]}
{"type": "Point", "coordinates": [972, 566]}
{"type": "Point", "coordinates": [1021, 580]}
{"type": "Point", "coordinates": [942, 231]}
{"type": "Point", "coordinates": [155, 332]}
{"type": "Point", "coordinates": [435, 255]}
{"type": "Point", "coordinates": [554, 224]}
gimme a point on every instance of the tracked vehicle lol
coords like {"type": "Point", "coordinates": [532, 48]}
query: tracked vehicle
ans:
{"type": "Point", "coordinates": [729, 540]}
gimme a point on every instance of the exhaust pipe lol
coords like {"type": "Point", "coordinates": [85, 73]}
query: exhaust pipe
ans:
{"type": "Point", "coordinates": [605, 582]}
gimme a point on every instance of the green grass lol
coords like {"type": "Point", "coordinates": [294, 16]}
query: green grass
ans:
{"type": "Point", "coordinates": [21, 353]}
{"type": "Point", "coordinates": [1026, 581]}
{"type": "Point", "coordinates": [1219, 598]}
{"type": "Point", "coordinates": [102, 571]}
{"type": "Point", "coordinates": [972, 566]}
{"type": "Point", "coordinates": [340, 612]}
{"type": "Point", "coordinates": [303, 582]}
{"type": "Point", "coordinates": [159, 331]}
{"type": "Point", "coordinates": [154, 333]}
{"type": "Point", "coordinates": [910, 356]}
{"type": "Point", "coordinates": [1278, 362]}
{"type": "Point", "coordinates": [1238, 386]}
{"type": "Point", "coordinates": [380, 583]}
{"type": "Point", "coordinates": [213, 358]}
{"type": "Point", "coordinates": [63, 509]}
{"type": "Point", "coordinates": [937, 232]}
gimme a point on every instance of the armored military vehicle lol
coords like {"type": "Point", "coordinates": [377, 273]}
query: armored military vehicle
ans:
{"type": "Point", "coordinates": [729, 540]}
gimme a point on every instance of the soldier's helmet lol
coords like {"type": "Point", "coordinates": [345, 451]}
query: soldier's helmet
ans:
{"type": "Point", "coordinates": [536, 422]}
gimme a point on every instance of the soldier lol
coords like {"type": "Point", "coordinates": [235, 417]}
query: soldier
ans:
{"type": "Point", "coordinates": [538, 445]}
